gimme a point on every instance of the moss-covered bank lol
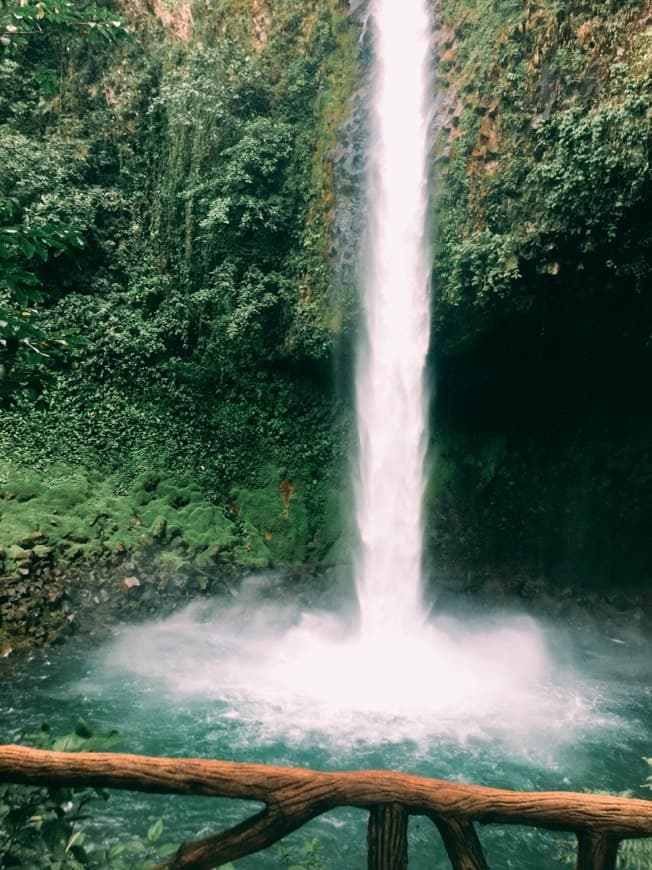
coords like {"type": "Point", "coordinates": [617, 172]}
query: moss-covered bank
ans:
{"type": "Point", "coordinates": [69, 536]}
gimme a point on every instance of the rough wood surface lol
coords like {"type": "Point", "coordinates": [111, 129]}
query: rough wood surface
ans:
{"type": "Point", "coordinates": [596, 851]}
{"type": "Point", "coordinates": [462, 843]}
{"type": "Point", "coordinates": [387, 847]}
{"type": "Point", "coordinates": [297, 789]}
{"type": "Point", "coordinates": [260, 831]}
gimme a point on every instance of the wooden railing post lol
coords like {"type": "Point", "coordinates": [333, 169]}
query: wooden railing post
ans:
{"type": "Point", "coordinates": [462, 843]}
{"type": "Point", "coordinates": [596, 851]}
{"type": "Point", "coordinates": [387, 838]}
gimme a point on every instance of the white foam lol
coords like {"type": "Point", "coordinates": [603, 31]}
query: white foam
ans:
{"type": "Point", "coordinates": [308, 677]}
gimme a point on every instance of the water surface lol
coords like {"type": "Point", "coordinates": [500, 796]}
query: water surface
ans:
{"type": "Point", "coordinates": [496, 700]}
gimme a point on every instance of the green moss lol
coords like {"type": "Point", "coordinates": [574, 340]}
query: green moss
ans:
{"type": "Point", "coordinates": [75, 517]}
{"type": "Point", "coordinates": [24, 485]}
{"type": "Point", "coordinates": [83, 517]}
{"type": "Point", "coordinates": [276, 514]}
{"type": "Point", "coordinates": [332, 541]}
{"type": "Point", "coordinates": [252, 553]}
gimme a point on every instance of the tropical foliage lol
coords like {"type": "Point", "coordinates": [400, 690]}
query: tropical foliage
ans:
{"type": "Point", "coordinates": [51, 828]}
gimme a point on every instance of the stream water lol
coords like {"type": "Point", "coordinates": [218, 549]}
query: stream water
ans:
{"type": "Point", "coordinates": [493, 699]}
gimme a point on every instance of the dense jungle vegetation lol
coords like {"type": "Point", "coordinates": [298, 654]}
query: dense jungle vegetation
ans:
{"type": "Point", "coordinates": [180, 195]}
{"type": "Point", "coordinates": [542, 281]}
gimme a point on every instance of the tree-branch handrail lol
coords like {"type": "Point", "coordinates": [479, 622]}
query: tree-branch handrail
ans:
{"type": "Point", "coordinates": [293, 796]}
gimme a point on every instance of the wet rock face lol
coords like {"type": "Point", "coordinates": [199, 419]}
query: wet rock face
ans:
{"type": "Point", "coordinates": [620, 618]}
{"type": "Point", "coordinates": [50, 602]}
{"type": "Point", "coordinates": [34, 604]}
{"type": "Point", "coordinates": [539, 360]}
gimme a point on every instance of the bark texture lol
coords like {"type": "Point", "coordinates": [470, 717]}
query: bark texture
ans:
{"type": "Point", "coordinates": [387, 838]}
{"type": "Point", "coordinates": [596, 851]}
{"type": "Point", "coordinates": [462, 843]}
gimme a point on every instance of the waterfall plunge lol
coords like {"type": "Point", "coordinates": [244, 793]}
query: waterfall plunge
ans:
{"type": "Point", "coordinates": [391, 401]}
{"type": "Point", "coordinates": [279, 671]}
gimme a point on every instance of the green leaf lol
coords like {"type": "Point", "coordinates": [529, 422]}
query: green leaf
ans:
{"type": "Point", "coordinates": [76, 840]}
{"type": "Point", "coordinates": [168, 849]}
{"type": "Point", "coordinates": [116, 850]}
{"type": "Point", "coordinates": [136, 846]}
{"type": "Point", "coordinates": [155, 831]}
{"type": "Point", "coordinates": [26, 246]}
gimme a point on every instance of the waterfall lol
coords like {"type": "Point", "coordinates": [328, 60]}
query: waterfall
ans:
{"type": "Point", "coordinates": [390, 383]}
{"type": "Point", "coordinates": [280, 670]}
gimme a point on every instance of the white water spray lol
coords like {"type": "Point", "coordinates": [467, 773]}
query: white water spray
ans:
{"type": "Point", "coordinates": [391, 401]}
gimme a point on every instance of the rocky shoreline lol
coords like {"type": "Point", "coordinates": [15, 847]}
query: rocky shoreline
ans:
{"type": "Point", "coordinates": [45, 602]}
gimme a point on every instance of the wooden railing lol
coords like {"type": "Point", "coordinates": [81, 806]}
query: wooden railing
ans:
{"type": "Point", "coordinates": [293, 796]}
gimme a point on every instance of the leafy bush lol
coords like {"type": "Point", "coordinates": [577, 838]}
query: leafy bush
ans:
{"type": "Point", "coordinates": [48, 827]}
